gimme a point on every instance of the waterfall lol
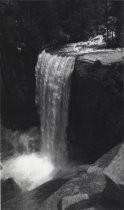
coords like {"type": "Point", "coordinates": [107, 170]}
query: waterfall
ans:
{"type": "Point", "coordinates": [53, 77]}
{"type": "Point", "coordinates": [30, 166]}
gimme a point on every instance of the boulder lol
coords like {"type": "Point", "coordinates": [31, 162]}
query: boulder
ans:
{"type": "Point", "coordinates": [114, 174]}
{"type": "Point", "coordinates": [9, 190]}
{"type": "Point", "coordinates": [115, 170]}
{"type": "Point", "coordinates": [106, 159]}
{"type": "Point", "coordinates": [80, 190]}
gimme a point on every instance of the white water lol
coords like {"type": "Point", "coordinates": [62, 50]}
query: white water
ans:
{"type": "Point", "coordinates": [31, 167]}
{"type": "Point", "coordinates": [53, 77]}
{"type": "Point", "coordinates": [28, 170]}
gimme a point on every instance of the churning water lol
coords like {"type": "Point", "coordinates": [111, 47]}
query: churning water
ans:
{"type": "Point", "coordinates": [30, 168]}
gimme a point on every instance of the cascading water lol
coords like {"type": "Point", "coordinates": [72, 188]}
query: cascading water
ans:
{"type": "Point", "coordinates": [29, 166]}
{"type": "Point", "coordinates": [53, 77]}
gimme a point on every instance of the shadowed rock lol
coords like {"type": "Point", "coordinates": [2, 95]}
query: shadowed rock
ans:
{"type": "Point", "coordinates": [9, 190]}
{"type": "Point", "coordinates": [96, 115]}
{"type": "Point", "coordinates": [115, 178]}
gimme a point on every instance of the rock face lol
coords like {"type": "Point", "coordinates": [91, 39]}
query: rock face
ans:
{"type": "Point", "coordinates": [96, 114]}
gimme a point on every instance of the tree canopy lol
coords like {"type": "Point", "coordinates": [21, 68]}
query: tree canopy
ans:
{"type": "Point", "coordinates": [56, 22]}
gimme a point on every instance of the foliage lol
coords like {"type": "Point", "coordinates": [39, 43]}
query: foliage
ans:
{"type": "Point", "coordinates": [50, 22]}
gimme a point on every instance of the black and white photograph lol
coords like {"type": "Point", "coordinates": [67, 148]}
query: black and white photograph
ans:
{"type": "Point", "coordinates": [62, 104]}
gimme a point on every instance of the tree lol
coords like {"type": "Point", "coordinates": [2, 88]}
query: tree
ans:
{"type": "Point", "coordinates": [117, 10]}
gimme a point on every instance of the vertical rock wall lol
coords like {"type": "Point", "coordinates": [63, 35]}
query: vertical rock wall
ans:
{"type": "Point", "coordinates": [96, 114]}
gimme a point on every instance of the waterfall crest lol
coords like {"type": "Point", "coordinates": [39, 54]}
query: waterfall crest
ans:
{"type": "Point", "coordinates": [53, 77]}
